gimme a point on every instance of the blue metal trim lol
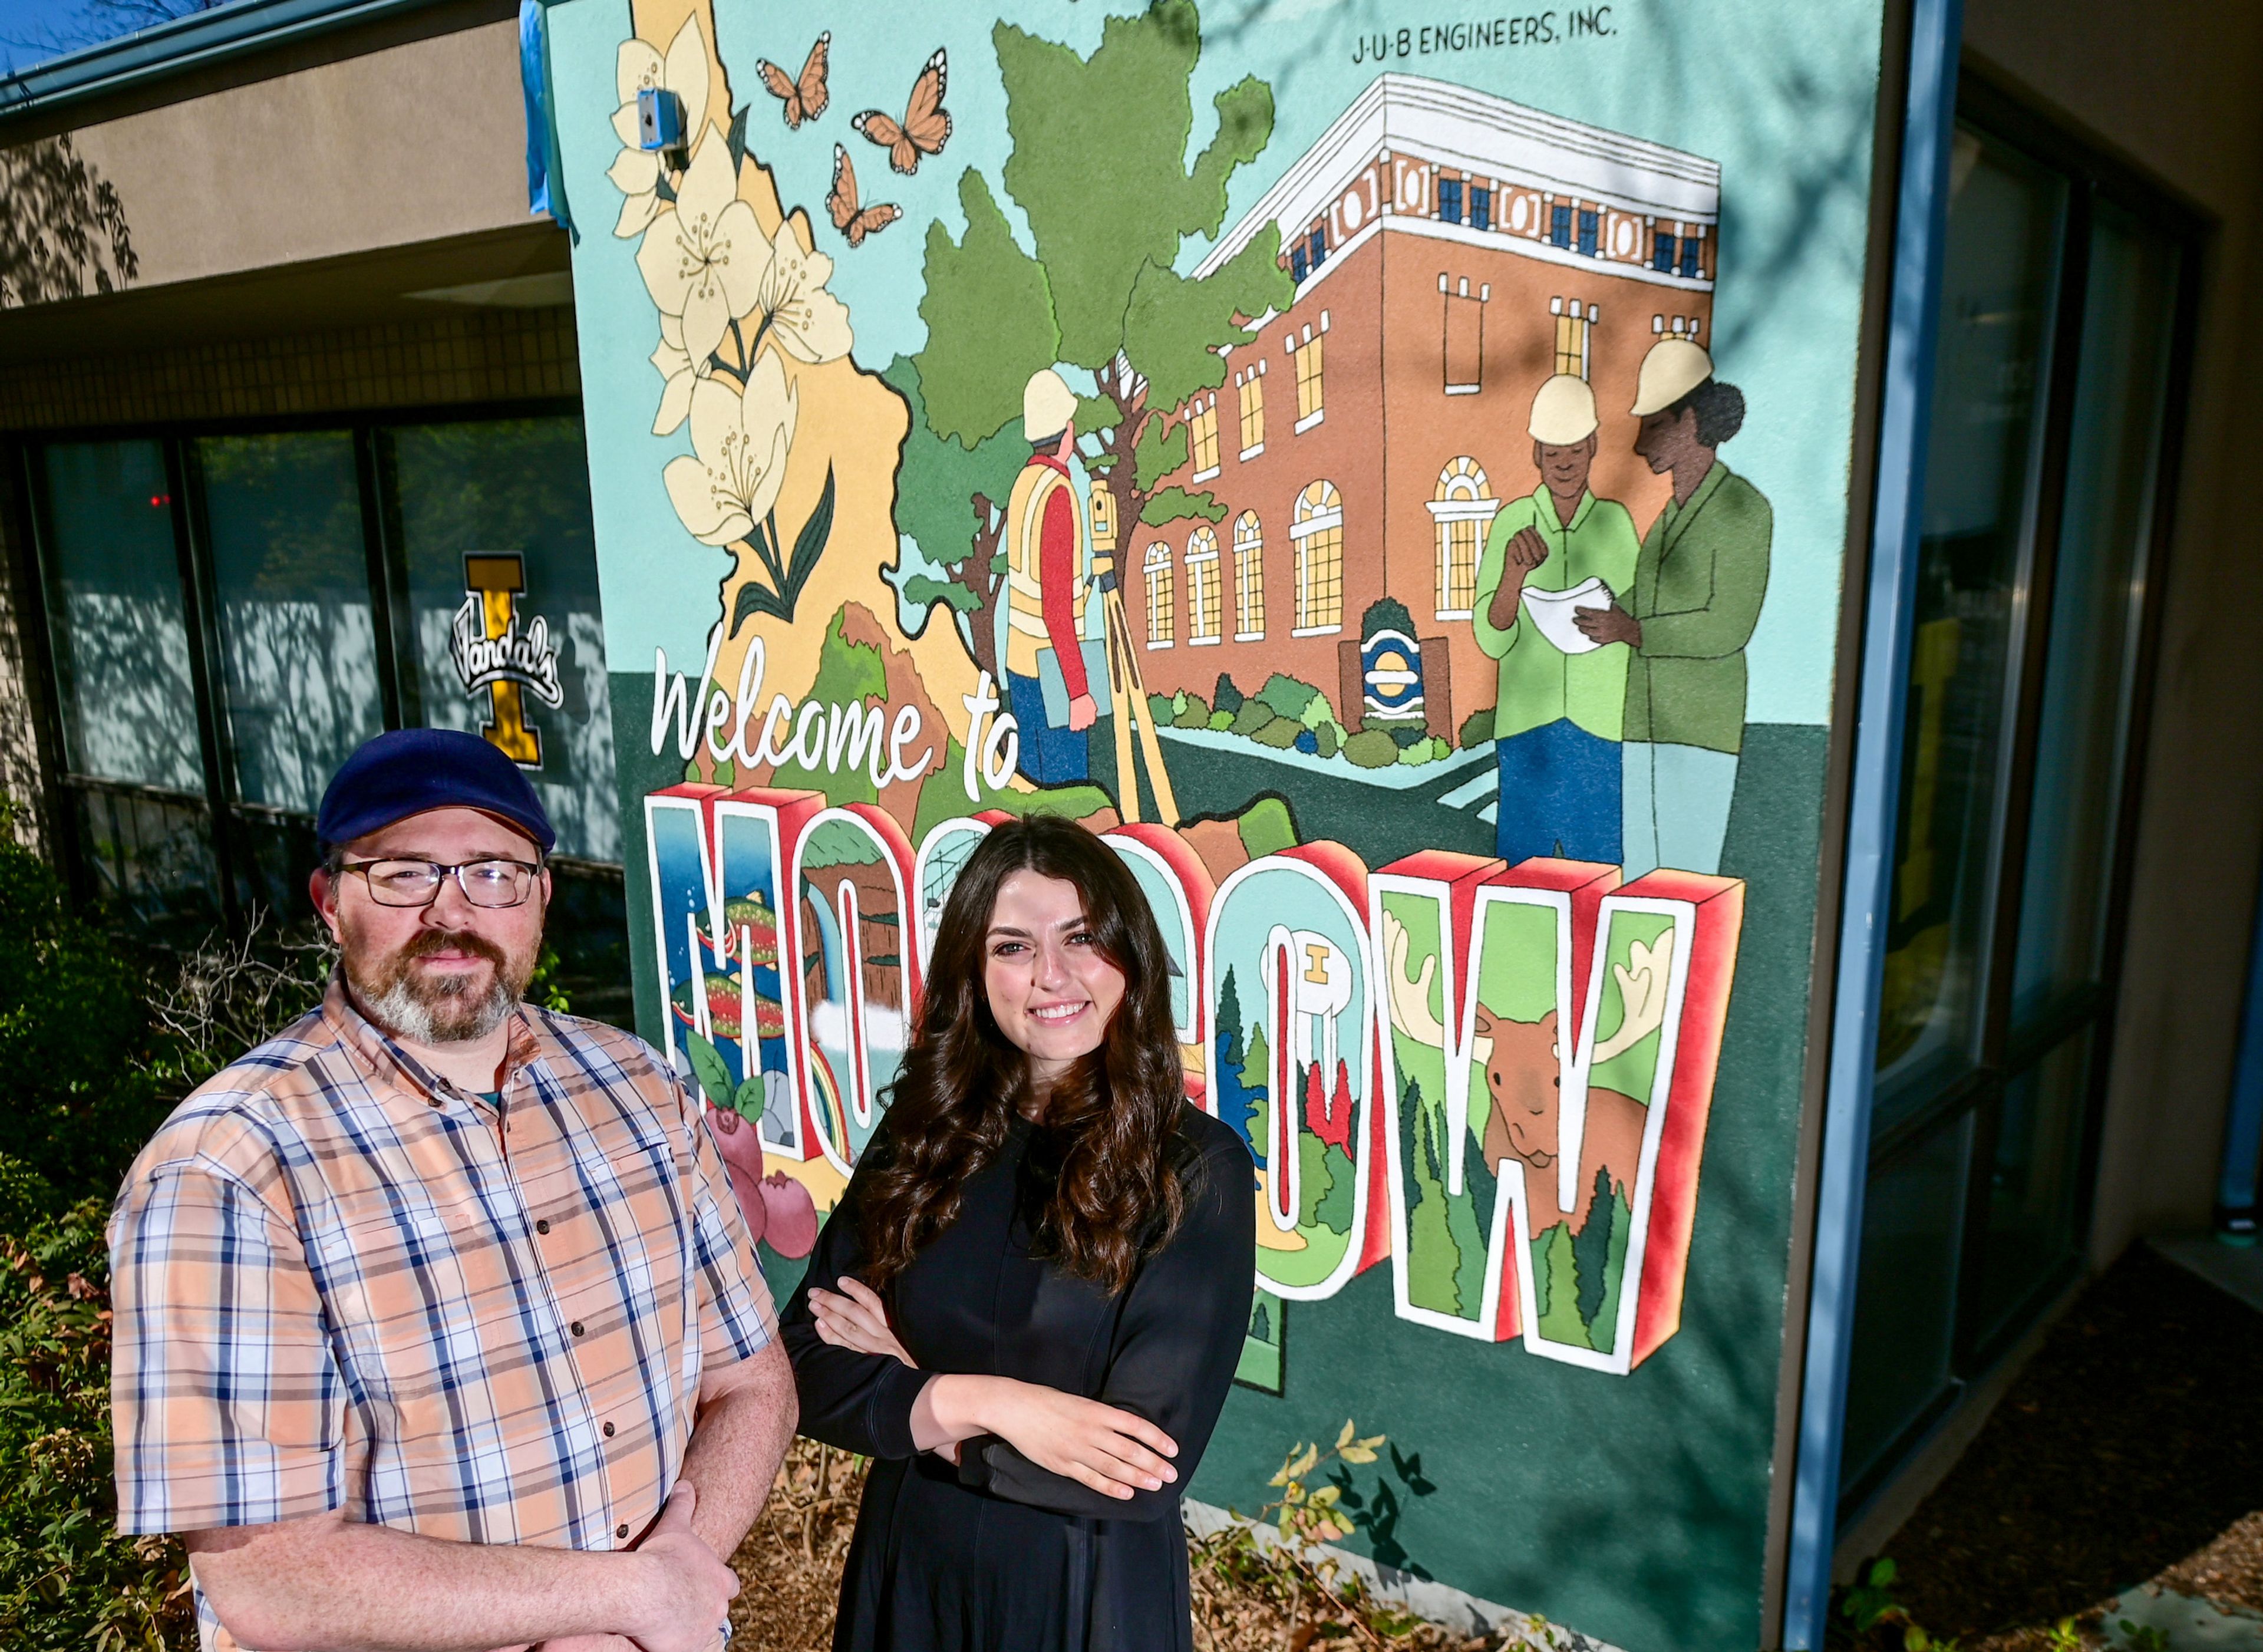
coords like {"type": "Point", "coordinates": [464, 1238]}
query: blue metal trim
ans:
{"type": "Point", "coordinates": [1919, 227]}
{"type": "Point", "coordinates": [2243, 1124]}
{"type": "Point", "coordinates": [191, 42]}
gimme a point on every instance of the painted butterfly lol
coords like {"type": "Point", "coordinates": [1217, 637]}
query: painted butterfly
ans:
{"type": "Point", "coordinates": [841, 201]}
{"type": "Point", "coordinates": [925, 127]}
{"type": "Point", "coordinates": [804, 98]}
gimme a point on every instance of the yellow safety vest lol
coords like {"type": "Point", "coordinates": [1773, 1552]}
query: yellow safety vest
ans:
{"type": "Point", "coordinates": [1026, 635]}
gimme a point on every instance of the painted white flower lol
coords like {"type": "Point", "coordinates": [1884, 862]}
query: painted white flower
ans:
{"type": "Point", "coordinates": [739, 443]}
{"type": "Point", "coordinates": [808, 323]}
{"type": "Point", "coordinates": [635, 171]}
{"type": "Point", "coordinates": [704, 263]}
{"type": "Point", "coordinates": [676, 366]}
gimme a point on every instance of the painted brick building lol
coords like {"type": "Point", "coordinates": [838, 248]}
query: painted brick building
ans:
{"type": "Point", "coordinates": [1439, 282]}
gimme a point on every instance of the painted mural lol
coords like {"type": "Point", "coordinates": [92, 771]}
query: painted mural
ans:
{"type": "Point", "coordinates": [1301, 452]}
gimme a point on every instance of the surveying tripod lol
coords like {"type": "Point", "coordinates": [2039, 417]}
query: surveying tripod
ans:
{"type": "Point", "coordinates": [1128, 701]}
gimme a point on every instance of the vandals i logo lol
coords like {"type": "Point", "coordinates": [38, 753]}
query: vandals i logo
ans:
{"type": "Point", "coordinates": [493, 656]}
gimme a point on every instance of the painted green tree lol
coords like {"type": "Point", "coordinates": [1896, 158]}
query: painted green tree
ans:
{"type": "Point", "coordinates": [1099, 170]}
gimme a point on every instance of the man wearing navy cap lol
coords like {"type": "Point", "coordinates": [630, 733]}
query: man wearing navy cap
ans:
{"type": "Point", "coordinates": [436, 1325]}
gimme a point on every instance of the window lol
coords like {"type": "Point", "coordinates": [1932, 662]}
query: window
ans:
{"type": "Point", "coordinates": [298, 633]}
{"type": "Point", "coordinates": [1317, 533]}
{"type": "Point", "coordinates": [1560, 225]}
{"type": "Point", "coordinates": [1319, 243]}
{"type": "Point", "coordinates": [1461, 507]}
{"type": "Point", "coordinates": [1249, 579]}
{"type": "Point", "coordinates": [1202, 439]}
{"type": "Point", "coordinates": [1309, 403]}
{"type": "Point", "coordinates": [1162, 619]}
{"type": "Point", "coordinates": [2000, 968]}
{"type": "Point", "coordinates": [1480, 208]}
{"type": "Point", "coordinates": [1450, 200]}
{"type": "Point", "coordinates": [1298, 263]}
{"type": "Point", "coordinates": [1464, 338]}
{"type": "Point", "coordinates": [230, 615]}
{"type": "Point", "coordinates": [1251, 383]}
{"type": "Point", "coordinates": [1662, 247]}
{"type": "Point", "coordinates": [1573, 324]}
{"type": "Point", "coordinates": [1202, 587]}
{"type": "Point", "coordinates": [1590, 231]}
{"type": "Point", "coordinates": [1691, 246]}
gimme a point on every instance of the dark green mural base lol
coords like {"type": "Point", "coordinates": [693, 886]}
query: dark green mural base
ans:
{"type": "Point", "coordinates": [1657, 1518]}
{"type": "Point", "coordinates": [1657, 1524]}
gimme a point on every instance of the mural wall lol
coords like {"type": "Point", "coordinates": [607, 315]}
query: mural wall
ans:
{"type": "Point", "coordinates": [1390, 480]}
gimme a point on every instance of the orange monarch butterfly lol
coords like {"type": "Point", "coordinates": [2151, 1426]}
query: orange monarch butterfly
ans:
{"type": "Point", "coordinates": [804, 98]}
{"type": "Point", "coordinates": [841, 201]}
{"type": "Point", "coordinates": [925, 127]}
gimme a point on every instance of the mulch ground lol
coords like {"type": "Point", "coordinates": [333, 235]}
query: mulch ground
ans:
{"type": "Point", "coordinates": [2130, 1449]}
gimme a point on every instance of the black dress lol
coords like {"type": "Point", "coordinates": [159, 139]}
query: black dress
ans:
{"type": "Point", "coordinates": [997, 1553]}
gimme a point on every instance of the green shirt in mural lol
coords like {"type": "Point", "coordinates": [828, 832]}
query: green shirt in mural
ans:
{"type": "Point", "coordinates": [1697, 592]}
{"type": "Point", "coordinates": [1539, 682]}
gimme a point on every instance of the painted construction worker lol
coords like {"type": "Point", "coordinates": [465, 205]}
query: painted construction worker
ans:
{"type": "Point", "coordinates": [1556, 715]}
{"type": "Point", "coordinates": [1697, 592]}
{"type": "Point", "coordinates": [1048, 581]}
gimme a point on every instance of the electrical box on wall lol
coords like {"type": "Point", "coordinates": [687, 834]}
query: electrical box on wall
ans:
{"type": "Point", "coordinates": [659, 119]}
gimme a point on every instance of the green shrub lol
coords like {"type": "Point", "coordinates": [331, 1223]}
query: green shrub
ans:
{"type": "Point", "coordinates": [1280, 734]}
{"type": "Point", "coordinates": [89, 1074]}
{"type": "Point", "coordinates": [1371, 748]}
{"type": "Point", "coordinates": [1226, 697]}
{"type": "Point", "coordinates": [1477, 727]}
{"type": "Point", "coordinates": [1192, 714]}
{"type": "Point", "coordinates": [1286, 697]}
{"type": "Point", "coordinates": [1427, 749]}
{"type": "Point", "coordinates": [67, 1578]}
{"type": "Point", "coordinates": [1221, 719]}
{"type": "Point", "coordinates": [1160, 708]}
{"type": "Point", "coordinates": [1254, 715]}
{"type": "Point", "coordinates": [1330, 734]}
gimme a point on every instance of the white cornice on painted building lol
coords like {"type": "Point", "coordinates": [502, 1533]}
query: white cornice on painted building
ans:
{"type": "Point", "coordinates": [1476, 132]}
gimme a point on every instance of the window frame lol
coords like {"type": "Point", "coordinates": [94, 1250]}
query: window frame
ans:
{"type": "Point", "coordinates": [228, 818]}
{"type": "Point", "coordinates": [1979, 1339]}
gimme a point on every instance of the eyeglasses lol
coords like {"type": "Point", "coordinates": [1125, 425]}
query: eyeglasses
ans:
{"type": "Point", "coordinates": [489, 883]}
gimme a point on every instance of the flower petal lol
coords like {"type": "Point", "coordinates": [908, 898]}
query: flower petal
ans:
{"type": "Point", "coordinates": [762, 485]}
{"type": "Point", "coordinates": [706, 316]}
{"type": "Point", "coordinates": [667, 266]}
{"type": "Point", "coordinates": [709, 185]}
{"type": "Point", "coordinates": [687, 74]}
{"type": "Point", "coordinates": [625, 126]}
{"type": "Point", "coordinates": [675, 403]}
{"type": "Point", "coordinates": [711, 517]}
{"type": "Point", "coordinates": [637, 66]}
{"type": "Point", "coordinates": [715, 423]}
{"type": "Point", "coordinates": [671, 331]}
{"type": "Point", "coordinates": [634, 171]}
{"type": "Point", "coordinates": [637, 214]}
{"type": "Point", "coordinates": [740, 254]}
{"type": "Point", "coordinates": [815, 328]}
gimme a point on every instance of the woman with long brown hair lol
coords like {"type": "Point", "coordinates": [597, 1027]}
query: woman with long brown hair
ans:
{"type": "Point", "coordinates": [1027, 1307]}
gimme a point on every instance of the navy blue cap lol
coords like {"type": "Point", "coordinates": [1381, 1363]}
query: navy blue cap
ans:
{"type": "Point", "coordinates": [409, 770]}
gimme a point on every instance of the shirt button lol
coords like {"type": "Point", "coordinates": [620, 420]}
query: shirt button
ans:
{"type": "Point", "coordinates": [621, 1531]}
{"type": "Point", "coordinates": [609, 1431]}
{"type": "Point", "coordinates": [577, 1328]}
{"type": "Point", "coordinates": [542, 1226]}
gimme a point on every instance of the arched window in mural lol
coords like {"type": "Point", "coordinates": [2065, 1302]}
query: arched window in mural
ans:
{"type": "Point", "coordinates": [1462, 507]}
{"type": "Point", "coordinates": [1161, 596]}
{"type": "Point", "coordinates": [1249, 579]}
{"type": "Point", "coordinates": [1202, 586]}
{"type": "Point", "coordinates": [1317, 533]}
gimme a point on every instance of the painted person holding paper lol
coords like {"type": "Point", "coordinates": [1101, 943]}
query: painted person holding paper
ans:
{"type": "Point", "coordinates": [1561, 698]}
{"type": "Point", "coordinates": [1696, 598]}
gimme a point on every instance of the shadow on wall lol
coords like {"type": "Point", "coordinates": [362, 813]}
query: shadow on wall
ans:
{"type": "Point", "coordinates": [62, 228]}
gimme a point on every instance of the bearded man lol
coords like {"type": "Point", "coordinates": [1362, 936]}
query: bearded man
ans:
{"type": "Point", "coordinates": [437, 1327]}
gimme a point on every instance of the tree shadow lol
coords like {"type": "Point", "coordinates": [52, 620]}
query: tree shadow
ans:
{"type": "Point", "coordinates": [63, 226]}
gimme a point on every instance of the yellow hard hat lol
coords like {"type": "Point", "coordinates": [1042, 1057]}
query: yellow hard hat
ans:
{"type": "Point", "coordinates": [1047, 405]}
{"type": "Point", "coordinates": [1563, 411]}
{"type": "Point", "coordinates": [1672, 370]}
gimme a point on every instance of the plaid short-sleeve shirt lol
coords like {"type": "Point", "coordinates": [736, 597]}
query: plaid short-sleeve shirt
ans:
{"type": "Point", "coordinates": [341, 1283]}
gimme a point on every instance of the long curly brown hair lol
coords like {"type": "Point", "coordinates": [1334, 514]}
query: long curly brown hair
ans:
{"type": "Point", "coordinates": [1111, 1123]}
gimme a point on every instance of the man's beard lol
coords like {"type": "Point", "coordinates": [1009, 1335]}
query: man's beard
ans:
{"type": "Point", "coordinates": [444, 1009]}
